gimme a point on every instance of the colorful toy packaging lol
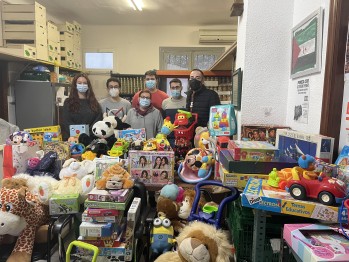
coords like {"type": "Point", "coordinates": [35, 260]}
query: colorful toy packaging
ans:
{"type": "Point", "coordinates": [45, 134]}
{"type": "Point", "coordinates": [260, 133]}
{"type": "Point", "coordinates": [76, 130]}
{"type": "Point", "coordinates": [131, 134]}
{"type": "Point", "coordinates": [222, 120]}
{"type": "Point", "coordinates": [252, 150]}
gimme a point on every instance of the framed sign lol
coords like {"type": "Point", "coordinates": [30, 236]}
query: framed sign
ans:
{"type": "Point", "coordinates": [236, 89]}
{"type": "Point", "coordinates": [307, 45]}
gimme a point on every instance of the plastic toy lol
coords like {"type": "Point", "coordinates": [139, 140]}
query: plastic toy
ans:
{"type": "Point", "coordinates": [150, 145]}
{"type": "Point", "coordinates": [166, 129]}
{"type": "Point", "coordinates": [83, 245]}
{"type": "Point", "coordinates": [182, 118]}
{"type": "Point", "coordinates": [119, 148]}
{"type": "Point", "coordinates": [307, 183]}
{"type": "Point", "coordinates": [197, 165]}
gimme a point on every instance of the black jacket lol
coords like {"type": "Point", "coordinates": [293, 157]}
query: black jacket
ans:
{"type": "Point", "coordinates": [203, 99]}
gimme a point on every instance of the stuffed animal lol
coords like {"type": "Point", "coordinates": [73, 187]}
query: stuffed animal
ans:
{"type": "Point", "coordinates": [187, 203]}
{"type": "Point", "coordinates": [202, 138]}
{"type": "Point", "coordinates": [137, 145]}
{"type": "Point", "coordinates": [115, 177]}
{"type": "Point", "coordinates": [200, 240]}
{"type": "Point", "coordinates": [168, 208]}
{"type": "Point", "coordinates": [21, 215]}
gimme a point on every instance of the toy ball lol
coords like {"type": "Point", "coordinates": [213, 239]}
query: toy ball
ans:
{"type": "Point", "coordinates": [197, 165]}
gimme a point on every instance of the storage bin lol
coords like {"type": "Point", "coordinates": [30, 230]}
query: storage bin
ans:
{"type": "Point", "coordinates": [24, 12]}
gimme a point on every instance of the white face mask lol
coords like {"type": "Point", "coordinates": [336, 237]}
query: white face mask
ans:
{"type": "Point", "coordinates": [82, 88]}
{"type": "Point", "coordinates": [114, 92]}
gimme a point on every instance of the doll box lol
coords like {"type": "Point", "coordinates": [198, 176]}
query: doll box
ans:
{"type": "Point", "coordinates": [237, 180]}
{"type": "Point", "coordinates": [253, 167]}
{"type": "Point", "coordinates": [109, 195]}
{"type": "Point", "coordinates": [317, 242]}
{"type": "Point", "coordinates": [252, 150]}
{"type": "Point", "coordinates": [153, 168]}
{"type": "Point", "coordinates": [60, 204]}
{"type": "Point", "coordinates": [132, 134]}
{"type": "Point", "coordinates": [258, 194]}
{"type": "Point", "coordinates": [294, 143]}
{"type": "Point", "coordinates": [76, 130]}
{"type": "Point", "coordinates": [260, 133]}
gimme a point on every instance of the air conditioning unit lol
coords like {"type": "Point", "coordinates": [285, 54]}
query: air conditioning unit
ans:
{"type": "Point", "coordinates": [210, 36]}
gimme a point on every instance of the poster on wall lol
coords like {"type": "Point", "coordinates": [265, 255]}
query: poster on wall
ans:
{"type": "Point", "coordinates": [306, 45]}
{"type": "Point", "coordinates": [301, 108]}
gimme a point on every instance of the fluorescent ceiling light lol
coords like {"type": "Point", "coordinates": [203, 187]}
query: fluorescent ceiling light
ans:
{"type": "Point", "coordinates": [136, 4]}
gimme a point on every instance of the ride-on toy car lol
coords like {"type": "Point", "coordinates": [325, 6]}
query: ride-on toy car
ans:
{"type": "Point", "coordinates": [314, 185]}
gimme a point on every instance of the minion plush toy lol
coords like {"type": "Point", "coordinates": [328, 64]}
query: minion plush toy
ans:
{"type": "Point", "coordinates": [161, 236]}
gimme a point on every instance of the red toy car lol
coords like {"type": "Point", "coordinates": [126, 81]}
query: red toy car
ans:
{"type": "Point", "coordinates": [309, 184]}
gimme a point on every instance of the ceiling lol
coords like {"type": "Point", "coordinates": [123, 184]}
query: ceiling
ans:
{"type": "Point", "coordinates": [155, 12]}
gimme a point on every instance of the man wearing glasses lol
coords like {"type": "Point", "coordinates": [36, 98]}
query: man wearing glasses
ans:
{"type": "Point", "coordinates": [145, 115]}
{"type": "Point", "coordinates": [114, 103]}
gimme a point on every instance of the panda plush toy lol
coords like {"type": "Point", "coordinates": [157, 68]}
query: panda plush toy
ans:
{"type": "Point", "coordinates": [104, 130]}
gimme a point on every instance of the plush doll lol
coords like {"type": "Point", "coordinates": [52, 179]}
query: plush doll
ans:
{"type": "Point", "coordinates": [202, 139]}
{"type": "Point", "coordinates": [115, 177]}
{"type": "Point", "coordinates": [21, 215]}
{"type": "Point", "coordinates": [168, 208]}
{"type": "Point", "coordinates": [200, 240]}
{"type": "Point", "coordinates": [187, 203]}
{"type": "Point", "coordinates": [137, 145]}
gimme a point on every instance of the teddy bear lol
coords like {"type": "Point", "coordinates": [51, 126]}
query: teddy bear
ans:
{"type": "Point", "coordinates": [200, 240]}
{"type": "Point", "coordinates": [21, 216]}
{"type": "Point", "coordinates": [115, 177]}
{"type": "Point", "coordinates": [187, 203]}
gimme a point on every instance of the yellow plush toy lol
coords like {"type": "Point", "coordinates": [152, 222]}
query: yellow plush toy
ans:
{"type": "Point", "coordinates": [115, 177]}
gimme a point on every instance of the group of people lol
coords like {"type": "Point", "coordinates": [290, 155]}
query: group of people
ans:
{"type": "Point", "coordinates": [148, 108]}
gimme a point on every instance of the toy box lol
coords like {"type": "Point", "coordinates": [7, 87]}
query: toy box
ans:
{"type": "Point", "coordinates": [109, 205]}
{"type": "Point", "coordinates": [109, 195]}
{"type": "Point", "coordinates": [102, 164]}
{"type": "Point", "coordinates": [294, 144]}
{"type": "Point", "coordinates": [237, 179]}
{"type": "Point", "coordinates": [38, 133]}
{"type": "Point", "coordinates": [101, 219]}
{"type": "Point", "coordinates": [258, 194]}
{"type": "Point", "coordinates": [343, 158]}
{"type": "Point", "coordinates": [52, 136]}
{"type": "Point", "coordinates": [96, 229]}
{"type": "Point", "coordinates": [252, 150]}
{"type": "Point", "coordinates": [106, 254]}
{"type": "Point", "coordinates": [132, 134]}
{"type": "Point", "coordinates": [64, 204]}
{"type": "Point", "coordinates": [76, 130]}
{"type": "Point", "coordinates": [222, 120]}
{"type": "Point", "coordinates": [153, 168]}
{"type": "Point", "coordinates": [132, 217]}
{"type": "Point", "coordinates": [317, 242]}
{"type": "Point", "coordinates": [260, 133]}
{"type": "Point", "coordinates": [254, 167]}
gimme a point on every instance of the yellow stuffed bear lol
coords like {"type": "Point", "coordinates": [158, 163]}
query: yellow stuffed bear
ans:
{"type": "Point", "coordinates": [115, 177]}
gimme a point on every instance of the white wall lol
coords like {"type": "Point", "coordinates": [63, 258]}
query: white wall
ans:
{"type": "Point", "coordinates": [316, 81]}
{"type": "Point", "coordinates": [264, 54]}
{"type": "Point", "coordinates": [136, 48]}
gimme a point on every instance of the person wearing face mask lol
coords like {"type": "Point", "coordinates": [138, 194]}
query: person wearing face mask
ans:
{"type": "Point", "coordinates": [145, 115]}
{"type": "Point", "coordinates": [81, 107]}
{"type": "Point", "coordinates": [114, 102]}
{"type": "Point", "coordinates": [172, 104]}
{"type": "Point", "coordinates": [200, 98]}
{"type": "Point", "coordinates": [157, 96]}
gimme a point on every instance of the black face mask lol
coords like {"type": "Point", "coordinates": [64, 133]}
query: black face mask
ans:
{"type": "Point", "coordinates": [194, 84]}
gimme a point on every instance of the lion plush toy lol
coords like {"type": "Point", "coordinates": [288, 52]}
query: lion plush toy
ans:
{"type": "Point", "coordinates": [115, 177]}
{"type": "Point", "coordinates": [202, 240]}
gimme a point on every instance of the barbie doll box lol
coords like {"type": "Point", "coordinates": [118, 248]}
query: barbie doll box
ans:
{"type": "Point", "coordinates": [153, 168]}
{"type": "Point", "coordinates": [317, 242]}
{"type": "Point", "coordinates": [258, 194]}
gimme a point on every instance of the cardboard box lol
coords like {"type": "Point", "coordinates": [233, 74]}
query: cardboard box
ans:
{"type": "Point", "coordinates": [143, 167]}
{"type": "Point", "coordinates": [254, 167]}
{"type": "Point", "coordinates": [102, 164]}
{"type": "Point", "coordinates": [96, 230]}
{"type": "Point", "coordinates": [101, 219]}
{"type": "Point", "coordinates": [52, 33]}
{"type": "Point", "coordinates": [237, 180]}
{"type": "Point", "coordinates": [64, 204]}
{"type": "Point", "coordinates": [132, 218]}
{"type": "Point", "coordinates": [260, 133]}
{"type": "Point", "coordinates": [132, 134]}
{"type": "Point", "coordinates": [117, 253]}
{"type": "Point", "coordinates": [24, 12]}
{"type": "Point", "coordinates": [66, 27]}
{"type": "Point", "coordinates": [109, 195]}
{"type": "Point", "coordinates": [294, 144]}
{"type": "Point", "coordinates": [258, 194]}
{"type": "Point", "coordinates": [252, 150]}
{"type": "Point", "coordinates": [317, 242]}
{"type": "Point", "coordinates": [76, 130]}
{"type": "Point", "coordinates": [110, 205]}
{"type": "Point", "coordinates": [27, 51]}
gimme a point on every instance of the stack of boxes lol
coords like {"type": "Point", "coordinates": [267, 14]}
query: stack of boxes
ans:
{"type": "Point", "coordinates": [53, 43]}
{"type": "Point", "coordinates": [77, 55]}
{"type": "Point", "coordinates": [24, 27]}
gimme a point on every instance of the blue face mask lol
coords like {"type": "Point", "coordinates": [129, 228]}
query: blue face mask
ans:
{"type": "Point", "coordinates": [175, 93]}
{"type": "Point", "coordinates": [82, 88]}
{"type": "Point", "coordinates": [150, 84]}
{"type": "Point", "coordinates": [144, 102]}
